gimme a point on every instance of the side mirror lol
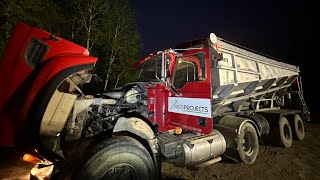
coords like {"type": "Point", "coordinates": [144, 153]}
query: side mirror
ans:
{"type": "Point", "coordinates": [163, 66]}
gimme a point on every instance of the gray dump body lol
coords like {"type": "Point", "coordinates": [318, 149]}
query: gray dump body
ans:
{"type": "Point", "coordinates": [244, 77]}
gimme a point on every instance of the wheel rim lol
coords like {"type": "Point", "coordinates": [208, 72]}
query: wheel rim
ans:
{"type": "Point", "coordinates": [120, 172]}
{"type": "Point", "coordinates": [248, 143]}
{"type": "Point", "coordinates": [286, 132]}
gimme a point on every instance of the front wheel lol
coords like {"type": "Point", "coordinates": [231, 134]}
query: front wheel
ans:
{"type": "Point", "coordinates": [248, 144]}
{"type": "Point", "coordinates": [120, 158]}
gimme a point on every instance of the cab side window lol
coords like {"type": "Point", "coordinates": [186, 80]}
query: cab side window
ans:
{"type": "Point", "coordinates": [189, 68]}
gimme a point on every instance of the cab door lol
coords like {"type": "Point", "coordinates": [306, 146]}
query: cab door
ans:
{"type": "Point", "coordinates": [190, 108]}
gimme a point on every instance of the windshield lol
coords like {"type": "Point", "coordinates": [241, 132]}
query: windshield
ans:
{"type": "Point", "coordinates": [148, 70]}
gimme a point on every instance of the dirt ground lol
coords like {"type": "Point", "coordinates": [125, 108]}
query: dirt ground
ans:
{"type": "Point", "coordinates": [301, 161]}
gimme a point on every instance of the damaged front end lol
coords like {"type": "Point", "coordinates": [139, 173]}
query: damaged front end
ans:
{"type": "Point", "coordinates": [72, 114]}
{"type": "Point", "coordinates": [60, 117]}
{"type": "Point", "coordinates": [75, 118]}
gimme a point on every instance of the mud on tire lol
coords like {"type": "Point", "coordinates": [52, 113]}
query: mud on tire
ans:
{"type": "Point", "coordinates": [248, 143]}
{"type": "Point", "coordinates": [299, 129]}
{"type": "Point", "coordinates": [285, 133]}
{"type": "Point", "coordinates": [119, 158]}
{"type": "Point", "coordinates": [279, 135]}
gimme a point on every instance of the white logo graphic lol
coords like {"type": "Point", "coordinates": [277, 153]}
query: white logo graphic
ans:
{"type": "Point", "coordinates": [191, 106]}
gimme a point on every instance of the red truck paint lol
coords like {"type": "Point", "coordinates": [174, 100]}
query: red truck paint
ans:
{"type": "Point", "coordinates": [14, 72]}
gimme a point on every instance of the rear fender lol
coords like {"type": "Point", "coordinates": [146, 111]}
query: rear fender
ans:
{"type": "Point", "coordinates": [260, 121]}
{"type": "Point", "coordinates": [230, 127]}
{"type": "Point", "coordinates": [234, 123]}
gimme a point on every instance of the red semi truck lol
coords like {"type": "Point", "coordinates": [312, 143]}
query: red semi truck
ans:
{"type": "Point", "coordinates": [189, 106]}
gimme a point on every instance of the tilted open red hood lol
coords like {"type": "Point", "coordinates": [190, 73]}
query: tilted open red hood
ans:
{"type": "Point", "coordinates": [34, 63]}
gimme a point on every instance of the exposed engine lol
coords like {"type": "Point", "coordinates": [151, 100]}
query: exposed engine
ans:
{"type": "Point", "coordinates": [77, 114]}
{"type": "Point", "coordinates": [97, 115]}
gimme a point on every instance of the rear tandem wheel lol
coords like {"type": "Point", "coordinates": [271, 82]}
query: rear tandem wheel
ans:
{"type": "Point", "coordinates": [248, 143]}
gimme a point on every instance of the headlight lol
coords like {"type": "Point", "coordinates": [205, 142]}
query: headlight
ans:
{"type": "Point", "coordinates": [131, 96]}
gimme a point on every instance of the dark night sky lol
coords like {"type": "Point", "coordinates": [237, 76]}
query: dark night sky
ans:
{"type": "Point", "coordinates": [263, 26]}
{"type": "Point", "coordinates": [281, 29]}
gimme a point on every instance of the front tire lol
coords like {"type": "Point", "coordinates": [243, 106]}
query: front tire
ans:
{"type": "Point", "coordinates": [119, 158]}
{"type": "Point", "coordinates": [248, 143]}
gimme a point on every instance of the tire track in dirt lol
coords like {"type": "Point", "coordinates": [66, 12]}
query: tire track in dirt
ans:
{"type": "Point", "coordinates": [308, 152]}
{"type": "Point", "coordinates": [283, 166]}
{"type": "Point", "coordinates": [301, 161]}
{"type": "Point", "coordinates": [266, 153]}
{"type": "Point", "coordinates": [253, 171]}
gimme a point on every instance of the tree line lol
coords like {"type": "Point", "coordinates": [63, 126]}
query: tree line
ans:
{"type": "Point", "coordinates": [105, 27]}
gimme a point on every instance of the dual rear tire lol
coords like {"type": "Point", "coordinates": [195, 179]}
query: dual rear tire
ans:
{"type": "Point", "coordinates": [299, 128]}
{"type": "Point", "coordinates": [286, 131]}
{"type": "Point", "coordinates": [248, 142]}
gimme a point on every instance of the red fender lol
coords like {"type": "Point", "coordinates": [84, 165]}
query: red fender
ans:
{"type": "Point", "coordinates": [15, 113]}
{"type": "Point", "coordinates": [22, 83]}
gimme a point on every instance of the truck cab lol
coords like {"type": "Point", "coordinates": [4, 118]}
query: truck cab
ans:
{"type": "Point", "coordinates": [189, 106]}
{"type": "Point", "coordinates": [184, 77]}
